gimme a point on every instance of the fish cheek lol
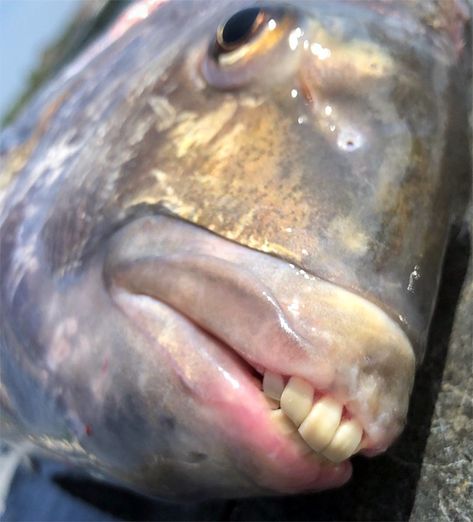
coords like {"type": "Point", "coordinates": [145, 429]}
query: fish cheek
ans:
{"type": "Point", "coordinates": [241, 184]}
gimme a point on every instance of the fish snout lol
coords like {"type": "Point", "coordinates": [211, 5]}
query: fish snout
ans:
{"type": "Point", "coordinates": [330, 372]}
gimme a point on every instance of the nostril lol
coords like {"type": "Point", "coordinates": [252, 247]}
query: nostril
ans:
{"type": "Point", "coordinates": [273, 385]}
{"type": "Point", "coordinates": [349, 140]}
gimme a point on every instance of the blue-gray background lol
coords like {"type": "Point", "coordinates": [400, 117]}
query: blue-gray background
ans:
{"type": "Point", "coordinates": [26, 27]}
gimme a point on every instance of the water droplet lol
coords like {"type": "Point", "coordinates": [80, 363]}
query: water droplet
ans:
{"type": "Point", "coordinates": [272, 24]}
{"type": "Point", "coordinates": [294, 38]}
{"type": "Point", "coordinates": [413, 277]}
{"type": "Point", "coordinates": [321, 52]}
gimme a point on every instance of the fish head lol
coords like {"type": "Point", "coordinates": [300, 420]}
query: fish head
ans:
{"type": "Point", "coordinates": [221, 204]}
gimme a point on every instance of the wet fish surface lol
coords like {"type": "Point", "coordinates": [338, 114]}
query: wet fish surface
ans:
{"type": "Point", "coordinates": [222, 230]}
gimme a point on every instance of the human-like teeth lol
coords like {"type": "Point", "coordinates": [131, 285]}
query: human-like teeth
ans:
{"type": "Point", "coordinates": [296, 399]}
{"type": "Point", "coordinates": [321, 423]}
{"type": "Point", "coordinates": [300, 444]}
{"type": "Point", "coordinates": [286, 426]}
{"type": "Point", "coordinates": [284, 423]}
{"type": "Point", "coordinates": [273, 385]}
{"type": "Point", "coordinates": [345, 442]}
{"type": "Point", "coordinates": [311, 426]}
{"type": "Point", "coordinates": [272, 403]}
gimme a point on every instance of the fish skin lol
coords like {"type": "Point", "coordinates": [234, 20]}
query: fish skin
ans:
{"type": "Point", "coordinates": [133, 129]}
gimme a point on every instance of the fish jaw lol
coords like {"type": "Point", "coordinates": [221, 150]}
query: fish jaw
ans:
{"type": "Point", "coordinates": [255, 316]}
{"type": "Point", "coordinates": [226, 395]}
{"type": "Point", "coordinates": [161, 383]}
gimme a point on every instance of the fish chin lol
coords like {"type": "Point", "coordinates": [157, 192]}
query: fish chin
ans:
{"type": "Point", "coordinates": [289, 373]}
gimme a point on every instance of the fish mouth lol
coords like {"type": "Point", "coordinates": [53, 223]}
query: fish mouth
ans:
{"type": "Point", "coordinates": [269, 353]}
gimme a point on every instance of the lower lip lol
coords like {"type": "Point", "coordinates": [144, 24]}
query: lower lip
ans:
{"type": "Point", "coordinates": [247, 423]}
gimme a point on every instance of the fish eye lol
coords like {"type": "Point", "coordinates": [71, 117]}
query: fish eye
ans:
{"type": "Point", "coordinates": [242, 43]}
{"type": "Point", "coordinates": [239, 28]}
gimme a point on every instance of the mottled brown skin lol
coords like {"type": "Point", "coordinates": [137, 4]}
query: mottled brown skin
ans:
{"type": "Point", "coordinates": [335, 163]}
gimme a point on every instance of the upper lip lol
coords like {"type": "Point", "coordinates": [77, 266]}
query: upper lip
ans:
{"type": "Point", "coordinates": [224, 300]}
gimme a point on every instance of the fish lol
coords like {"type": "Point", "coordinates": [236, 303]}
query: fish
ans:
{"type": "Point", "coordinates": [222, 230]}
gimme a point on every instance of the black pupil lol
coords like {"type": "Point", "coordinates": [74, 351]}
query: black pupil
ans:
{"type": "Point", "coordinates": [239, 25]}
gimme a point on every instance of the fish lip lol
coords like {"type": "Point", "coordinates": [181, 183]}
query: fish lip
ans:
{"type": "Point", "coordinates": [123, 297]}
{"type": "Point", "coordinates": [121, 281]}
{"type": "Point", "coordinates": [154, 241]}
{"type": "Point", "coordinates": [289, 471]}
{"type": "Point", "coordinates": [126, 276]}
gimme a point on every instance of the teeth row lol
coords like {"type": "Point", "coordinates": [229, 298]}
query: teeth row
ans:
{"type": "Point", "coordinates": [296, 399]}
{"type": "Point", "coordinates": [314, 425]}
{"type": "Point", "coordinates": [273, 385]}
{"type": "Point", "coordinates": [320, 425]}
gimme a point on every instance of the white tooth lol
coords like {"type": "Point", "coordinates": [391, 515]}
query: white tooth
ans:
{"type": "Point", "coordinates": [318, 457]}
{"type": "Point", "coordinates": [345, 441]}
{"type": "Point", "coordinates": [259, 369]}
{"type": "Point", "coordinates": [286, 426]}
{"type": "Point", "coordinates": [274, 405]}
{"type": "Point", "coordinates": [321, 423]}
{"type": "Point", "coordinates": [296, 399]}
{"type": "Point", "coordinates": [283, 422]}
{"type": "Point", "coordinates": [273, 385]}
{"type": "Point", "coordinates": [301, 446]}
